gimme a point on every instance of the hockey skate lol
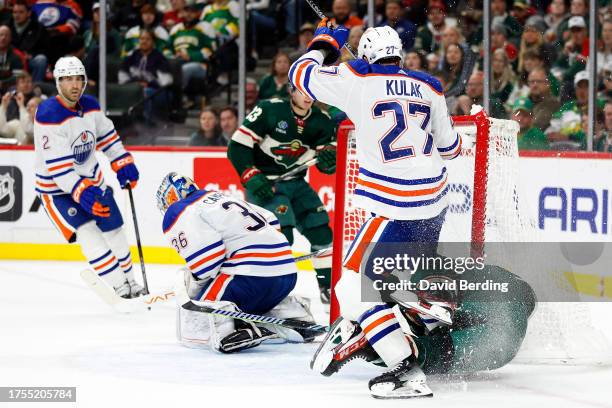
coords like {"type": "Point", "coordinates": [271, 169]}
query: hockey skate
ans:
{"type": "Point", "coordinates": [405, 380]}
{"type": "Point", "coordinates": [129, 290]}
{"type": "Point", "coordinates": [344, 342]}
{"type": "Point", "coordinates": [136, 289]}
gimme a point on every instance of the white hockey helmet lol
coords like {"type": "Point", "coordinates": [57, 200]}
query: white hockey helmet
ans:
{"type": "Point", "coordinates": [378, 43]}
{"type": "Point", "coordinates": [69, 66]}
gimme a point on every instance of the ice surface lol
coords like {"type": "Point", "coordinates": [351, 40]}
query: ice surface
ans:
{"type": "Point", "coordinates": [55, 332]}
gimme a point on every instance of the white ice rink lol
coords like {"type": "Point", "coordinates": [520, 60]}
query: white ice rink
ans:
{"type": "Point", "coordinates": [55, 332]}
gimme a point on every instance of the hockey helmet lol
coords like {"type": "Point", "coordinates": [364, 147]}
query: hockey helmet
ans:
{"type": "Point", "coordinates": [379, 43]}
{"type": "Point", "coordinates": [173, 188]}
{"type": "Point", "coordinates": [69, 66]}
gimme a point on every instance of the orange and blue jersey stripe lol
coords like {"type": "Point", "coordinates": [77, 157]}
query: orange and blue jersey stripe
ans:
{"type": "Point", "coordinates": [299, 75]}
{"type": "Point", "coordinates": [260, 255]}
{"type": "Point", "coordinates": [108, 140]}
{"type": "Point", "coordinates": [378, 322]}
{"type": "Point", "coordinates": [451, 151]}
{"type": "Point", "coordinates": [206, 260]}
{"type": "Point", "coordinates": [60, 166]}
{"type": "Point", "coordinates": [104, 264]}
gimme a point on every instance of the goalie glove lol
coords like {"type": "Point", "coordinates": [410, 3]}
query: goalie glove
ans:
{"type": "Point", "coordinates": [329, 39]}
{"type": "Point", "coordinates": [246, 335]}
{"type": "Point", "coordinates": [326, 156]}
{"type": "Point", "coordinates": [257, 183]}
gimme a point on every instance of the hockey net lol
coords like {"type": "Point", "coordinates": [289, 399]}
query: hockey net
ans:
{"type": "Point", "coordinates": [484, 206]}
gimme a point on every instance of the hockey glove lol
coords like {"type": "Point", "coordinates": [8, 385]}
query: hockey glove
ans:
{"type": "Point", "coordinates": [257, 183]}
{"type": "Point", "coordinates": [89, 197]}
{"type": "Point", "coordinates": [329, 39]}
{"type": "Point", "coordinates": [126, 170]}
{"type": "Point", "coordinates": [327, 159]}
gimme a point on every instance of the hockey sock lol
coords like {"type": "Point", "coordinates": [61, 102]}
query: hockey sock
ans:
{"type": "Point", "coordinates": [117, 241]}
{"type": "Point", "coordinates": [385, 335]}
{"type": "Point", "coordinates": [99, 255]}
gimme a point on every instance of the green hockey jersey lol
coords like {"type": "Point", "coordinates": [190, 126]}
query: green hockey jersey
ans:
{"type": "Point", "coordinates": [198, 41]}
{"type": "Point", "coordinates": [279, 140]}
{"type": "Point", "coordinates": [223, 18]}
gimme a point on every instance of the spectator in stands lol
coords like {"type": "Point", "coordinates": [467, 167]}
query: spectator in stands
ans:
{"type": "Point", "coordinates": [148, 66]}
{"type": "Point", "coordinates": [192, 42]}
{"type": "Point", "coordinates": [429, 37]}
{"type": "Point", "coordinates": [25, 90]}
{"type": "Point", "coordinates": [28, 37]}
{"type": "Point", "coordinates": [379, 13]}
{"type": "Point", "coordinates": [530, 137]}
{"type": "Point", "coordinates": [603, 143]}
{"type": "Point", "coordinates": [209, 133]}
{"type": "Point", "coordinates": [274, 85]}
{"type": "Point", "coordinates": [544, 103]}
{"type": "Point", "coordinates": [457, 66]}
{"type": "Point", "coordinates": [354, 37]}
{"type": "Point", "coordinates": [604, 53]}
{"type": "Point", "coordinates": [499, 40]}
{"type": "Point", "coordinates": [306, 34]}
{"type": "Point", "coordinates": [342, 14]}
{"type": "Point", "coordinates": [222, 15]}
{"type": "Point", "coordinates": [251, 92]}
{"type": "Point", "coordinates": [12, 61]}
{"type": "Point", "coordinates": [557, 13]}
{"type": "Point", "coordinates": [91, 36]}
{"type": "Point", "coordinates": [175, 15]}
{"type": "Point", "coordinates": [573, 57]}
{"type": "Point", "coordinates": [500, 18]}
{"type": "Point", "coordinates": [578, 8]}
{"type": "Point", "coordinates": [533, 40]}
{"type": "Point", "coordinates": [433, 63]}
{"type": "Point", "coordinates": [566, 123]}
{"type": "Point", "coordinates": [606, 79]}
{"type": "Point", "coordinates": [521, 11]}
{"type": "Point", "coordinates": [128, 16]}
{"type": "Point", "coordinates": [415, 61]}
{"type": "Point", "coordinates": [62, 21]}
{"type": "Point", "coordinates": [473, 96]}
{"type": "Point", "coordinates": [20, 128]}
{"type": "Point", "coordinates": [228, 120]}
{"type": "Point", "coordinates": [262, 17]}
{"type": "Point", "coordinates": [503, 78]}
{"type": "Point", "coordinates": [405, 28]}
{"type": "Point", "coordinates": [132, 36]}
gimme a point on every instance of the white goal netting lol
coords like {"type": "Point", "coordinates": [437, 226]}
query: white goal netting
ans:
{"type": "Point", "coordinates": [485, 206]}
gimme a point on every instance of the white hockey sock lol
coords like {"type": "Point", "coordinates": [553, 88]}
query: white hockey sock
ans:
{"type": "Point", "coordinates": [117, 241]}
{"type": "Point", "coordinates": [99, 254]}
{"type": "Point", "coordinates": [384, 333]}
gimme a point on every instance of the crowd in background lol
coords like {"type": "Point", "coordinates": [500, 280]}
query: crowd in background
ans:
{"type": "Point", "coordinates": [179, 52]}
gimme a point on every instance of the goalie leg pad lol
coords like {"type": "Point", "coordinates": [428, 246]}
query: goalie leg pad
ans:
{"type": "Point", "coordinates": [292, 307]}
{"type": "Point", "coordinates": [197, 330]}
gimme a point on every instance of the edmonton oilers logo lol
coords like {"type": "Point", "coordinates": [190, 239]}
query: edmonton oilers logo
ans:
{"type": "Point", "coordinates": [83, 146]}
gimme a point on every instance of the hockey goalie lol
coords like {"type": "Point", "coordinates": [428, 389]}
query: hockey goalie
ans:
{"type": "Point", "coordinates": [237, 260]}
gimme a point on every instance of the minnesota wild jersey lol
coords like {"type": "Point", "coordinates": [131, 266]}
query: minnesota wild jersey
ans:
{"type": "Point", "coordinates": [223, 18]}
{"type": "Point", "coordinates": [198, 41]}
{"type": "Point", "coordinates": [280, 139]}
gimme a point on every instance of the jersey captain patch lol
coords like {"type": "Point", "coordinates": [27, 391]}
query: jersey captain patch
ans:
{"type": "Point", "coordinates": [83, 146]}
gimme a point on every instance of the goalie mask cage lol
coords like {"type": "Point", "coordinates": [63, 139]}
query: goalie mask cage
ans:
{"type": "Point", "coordinates": [484, 206]}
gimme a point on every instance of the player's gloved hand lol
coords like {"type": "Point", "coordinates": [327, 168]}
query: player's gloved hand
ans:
{"type": "Point", "coordinates": [90, 198]}
{"type": "Point", "coordinates": [327, 159]}
{"type": "Point", "coordinates": [257, 183]}
{"type": "Point", "coordinates": [329, 39]}
{"type": "Point", "coordinates": [126, 170]}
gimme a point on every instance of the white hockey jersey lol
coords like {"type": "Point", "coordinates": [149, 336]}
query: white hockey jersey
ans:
{"type": "Point", "coordinates": [65, 142]}
{"type": "Point", "coordinates": [402, 129]}
{"type": "Point", "coordinates": [216, 234]}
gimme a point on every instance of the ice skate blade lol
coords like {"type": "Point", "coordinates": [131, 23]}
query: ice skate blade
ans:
{"type": "Point", "coordinates": [386, 391]}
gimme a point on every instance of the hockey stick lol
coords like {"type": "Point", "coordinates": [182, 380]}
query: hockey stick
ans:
{"type": "Point", "coordinates": [410, 300]}
{"type": "Point", "coordinates": [297, 170]}
{"type": "Point", "coordinates": [320, 14]}
{"type": "Point", "coordinates": [248, 317]}
{"type": "Point", "coordinates": [122, 305]}
{"type": "Point", "coordinates": [320, 253]}
{"type": "Point", "coordinates": [138, 244]}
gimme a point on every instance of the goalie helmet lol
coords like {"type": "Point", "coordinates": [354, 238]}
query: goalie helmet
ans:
{"type": "Point", "coordinates": [69, 66]}
{"type": "Point", "coordinates": [378, 43]}
{"type": "Point", "coordinates": [173, 188]}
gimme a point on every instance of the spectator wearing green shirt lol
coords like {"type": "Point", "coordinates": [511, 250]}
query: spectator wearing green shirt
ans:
{"type": "Point", "coordinates": [274, 85]}
{"type": "Point", "coordinates": [529, 136]}
{"type": "Point", "coordinates": [131, 40]}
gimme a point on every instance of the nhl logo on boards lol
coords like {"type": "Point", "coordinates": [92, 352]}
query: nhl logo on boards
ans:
{"type": "Point", "coordinates": [83, 146]}
{"type": "Point", "coordinates": [10, 193]}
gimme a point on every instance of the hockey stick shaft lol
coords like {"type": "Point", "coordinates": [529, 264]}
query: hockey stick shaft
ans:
{"type": "Point", "coordinates": [320, 14]}
{"type": "Point", "coordinates": [289, 323]}
{"type": "Point", "coordinates": [313, 254]}
{"type": "Point", "coordinates": [297, 170]}
{"type": "Point", "coordinates": [138, 244]}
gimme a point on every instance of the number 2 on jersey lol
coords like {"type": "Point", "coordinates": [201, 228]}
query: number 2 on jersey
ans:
{"type": "Point", "coordinates": [397, 110]}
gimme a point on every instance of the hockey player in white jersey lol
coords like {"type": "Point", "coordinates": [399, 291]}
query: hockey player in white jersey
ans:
{"type": "Point", "coordinates": [237, 259]}
{"type": "Point", "coordinates": [68, 130]}
{"type": "Point", "coordinates": [403, 135]}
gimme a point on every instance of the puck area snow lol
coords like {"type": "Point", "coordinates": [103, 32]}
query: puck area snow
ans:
{"type": "Point", "coordinates": [55, 332]}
